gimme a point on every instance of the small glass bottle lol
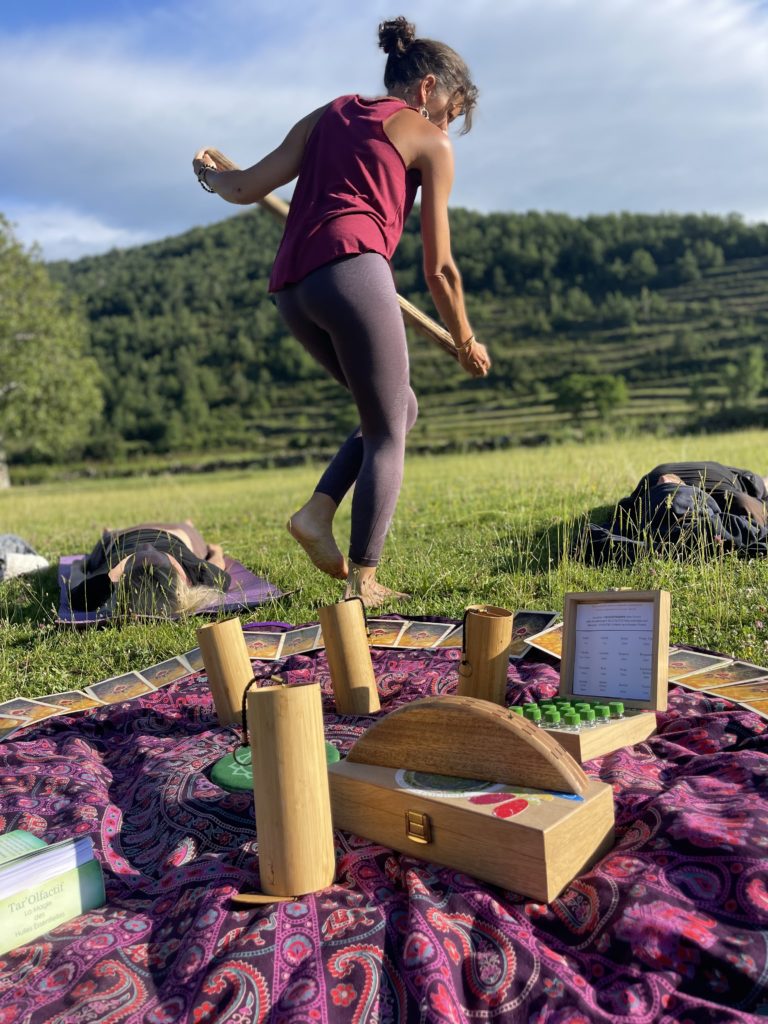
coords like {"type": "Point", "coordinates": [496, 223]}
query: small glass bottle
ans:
{"type": "Point", "coordinates": [602, 715]}
{"type": "Point", "coordinates": [572, 720]}
{"type": "Point", "coordinates": [582, 706]}
{"type": "Point", "coordinates": [588, 718]}
{"type": "Point", "coordinates": [616, 707]}
{"type": "Point", "coordinates": [551, 718]}
{"type": "Point", "coordinates": [532, 713]}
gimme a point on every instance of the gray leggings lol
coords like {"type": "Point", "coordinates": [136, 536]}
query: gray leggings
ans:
{"type": "Point", "coordinates": [346, 315]}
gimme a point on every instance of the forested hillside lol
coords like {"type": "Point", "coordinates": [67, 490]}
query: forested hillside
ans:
{"type": "Point", "coordinates": [610, 322]}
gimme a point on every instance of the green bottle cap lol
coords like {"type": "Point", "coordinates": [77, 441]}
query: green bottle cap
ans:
{"type": "Point", "coordinates": [572, 718]}
{"type": "Point", "coordinates": [552, 716]}
{"type": "Point", "coordinates": [602, 713]}
{"type": "Point", "coordinates": [616, 707]}
{"type": "Point", "coordinates": [588, 715]}
{"type": "Point", "coordinates": [582, 706]}
{"type": "Point", "coordinates": [532, 712]}
{"type": "Point", "coordinates": [516, 709]}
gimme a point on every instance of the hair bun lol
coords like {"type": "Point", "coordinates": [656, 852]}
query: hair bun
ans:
{"type": "Point", "coordinates": [396, 35]}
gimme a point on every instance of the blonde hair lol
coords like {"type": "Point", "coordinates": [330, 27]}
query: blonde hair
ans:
{"type": "Point", "coordinates": [189, 599]}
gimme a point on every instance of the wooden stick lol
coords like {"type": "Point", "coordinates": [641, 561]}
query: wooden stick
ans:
{"type": "Point", "coordinates": [290, 787]}
{"type": "Point", "coordinates": [484, 664]}
{"type": "Point", "coordinates": [413, 316]}
{"type": "Point", "coordinates": [227, 666]}
{"type": "Point", "coordinates": [349, 658]}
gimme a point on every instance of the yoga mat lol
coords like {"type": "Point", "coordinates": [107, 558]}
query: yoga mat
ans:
{"type": "Point", "coordinates": [246, 590]}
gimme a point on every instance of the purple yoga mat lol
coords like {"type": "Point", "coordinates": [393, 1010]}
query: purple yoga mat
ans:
{"type": "Point", "coordinates": [245, 591]}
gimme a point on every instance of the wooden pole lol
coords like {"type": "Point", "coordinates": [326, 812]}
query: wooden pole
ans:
{"type": "Point", "coordinates": [349, 658]}
{"type": "Point", "coordinates": [413, 316]}
{"type": "Point", "coordinates": [227, 666]}
{"type": "Point", "coordinates": [290, 788]}
{"type": "Point", "coordinates": [485, 660]}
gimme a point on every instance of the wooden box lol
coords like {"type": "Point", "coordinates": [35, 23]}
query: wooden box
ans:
{"type": "Point", "coordinates": [465, 784]}
{"type": "Point", "coordinates": [615, 647]}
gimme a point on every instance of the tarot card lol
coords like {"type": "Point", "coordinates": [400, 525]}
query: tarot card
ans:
{"type": "Point", "coordinates": [164, 673]}
{"type": "Point", "coordinates": [73, 700]}
{"type": "Point", "coordinates": [264, 646]}
{"type": "Point", "coordinates": [741, 692]}
{"type": "Point", "coordinates": [685, 663]}
{"type": "Point", "coordinates": [194, 659]}
{"type": "Point", "coordinates": [26, 708]}
{"type": "Point", "coordinates": [125, 687]}
{"type": "Point", "coordinates": [299, 641]}
{"type": "Point", "coordinates": [454, 638]}
{"type": "Point", "coordinates": [385, 632]}
{"type": "Point", "coordinates": [423, 634]}
{"type": "Point", "coordinates": [549, 640]}
{"type": "Point", "coordinates": [525, 625]}
{"type": "Point", "coordinates": [736, 672]}
{"type": "Point", "coordinates": [760, 706]}
{"type": "Point", "coordinates": [9, 726]}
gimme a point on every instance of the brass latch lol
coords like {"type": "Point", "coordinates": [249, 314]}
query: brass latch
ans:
{"type": "Point", "coordinates": [418, 827]}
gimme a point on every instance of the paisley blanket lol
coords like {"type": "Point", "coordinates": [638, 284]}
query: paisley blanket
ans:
{"type": "Point", "coordinates": [670, 926]}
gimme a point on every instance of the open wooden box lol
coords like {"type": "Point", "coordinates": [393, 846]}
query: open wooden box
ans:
{"type": "Point", "coordinates": [464, 783]}
{"type": "Point", "coordinates": [615, 647]}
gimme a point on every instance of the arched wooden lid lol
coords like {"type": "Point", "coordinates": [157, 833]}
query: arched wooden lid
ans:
{"type": "Point", "coordinates": [472, 739]}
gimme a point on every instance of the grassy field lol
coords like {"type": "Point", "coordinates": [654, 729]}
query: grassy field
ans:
{"type": "Point", "coordinates": [490, 527]}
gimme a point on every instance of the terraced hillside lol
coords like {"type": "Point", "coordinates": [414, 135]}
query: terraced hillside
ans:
{"type": "Point", "coordinates": [618, 323]}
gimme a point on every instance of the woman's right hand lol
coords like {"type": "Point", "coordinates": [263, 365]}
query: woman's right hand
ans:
{"type": "Point", "coordinates": [475, 360]}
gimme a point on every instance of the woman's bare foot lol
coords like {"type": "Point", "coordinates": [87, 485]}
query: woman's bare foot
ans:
{"type": "Point", "coordinates": [362, 583]}
{"type": "Point", "coordinates": [312, 527]}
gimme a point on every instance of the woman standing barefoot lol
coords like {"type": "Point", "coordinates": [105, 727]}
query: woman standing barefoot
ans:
{"type": "Point", "coordinates": [359, 163]}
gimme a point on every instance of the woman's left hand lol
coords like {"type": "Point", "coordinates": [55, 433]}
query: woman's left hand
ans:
{"type": "Point", "coordinates": [475, 360]}
{"type": "Point", "coordinates": [202, 158]}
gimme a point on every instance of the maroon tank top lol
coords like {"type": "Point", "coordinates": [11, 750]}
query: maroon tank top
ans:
{"type": "Point", "coordinates": [353, 193]}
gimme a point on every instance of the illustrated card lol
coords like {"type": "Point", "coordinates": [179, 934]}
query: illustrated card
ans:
{"type": "Point", "coordinates": [164, 673]}
{"type": "Point", "coordinates": [299, 641]}
{"type": "Point", "coordinates": [743, 691]}
{"type": "Point", "coordinates": [194, 659]}
{"type": "Point", "coordinates": [454, 639]}
{"type": "Point", "coordinates": [736, 672]}
{"type": "Point", "coordinates": [385, 632]}
{"type": "Point", "coordinates": [264, 646]}
{"type": "Point", "coordinates": [760, 706]}
{"type": "Point", "coordinates": [549, 640]}
{"type": "Point", "coordinates": [8, 726]}
{"type": "Point", "coordinates": [73, 700]}
{"type": "Point", "coordinates": [685, 663]}
{"type": "Point", "coordinates": [26, 708]}
{"type": "Point", "coordinates": [125, 687]}
{"type": "Point", "coordinates": [423, 634]}
{"type": "Point", "coordinates": [525, 625]}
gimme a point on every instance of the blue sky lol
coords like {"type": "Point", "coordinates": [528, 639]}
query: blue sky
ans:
{"type": "Point", "coordinates": [586, 106]}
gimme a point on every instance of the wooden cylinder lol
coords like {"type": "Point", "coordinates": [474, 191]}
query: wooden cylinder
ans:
{"type": "Point", "coordinates": [485, 658]}
{"type": "Point", "coordinates": [227, 666]}
{"type": "Point", "coordinates": [290, 787]}
{"type": "Point", "coordinates": [349, 658]}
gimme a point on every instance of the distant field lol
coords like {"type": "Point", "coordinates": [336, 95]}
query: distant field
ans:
{"type": "Point", "coordinates": [486, 527]}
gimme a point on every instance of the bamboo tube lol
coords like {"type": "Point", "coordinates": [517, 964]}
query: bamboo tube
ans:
{"type": "Point", "coordinates": [413, 316]}
{"type": "Point", "coordinates": [349, 658]}
{"type": "Point", "coordinates": [290, 788]}
{"type": "Point", "coordinates": [227, 666]}
{"type": "Point", "coordinates": [485, 657]}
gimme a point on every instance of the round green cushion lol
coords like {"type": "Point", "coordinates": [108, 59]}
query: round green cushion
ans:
{"type": "Point", "coordinates": [234, 771]}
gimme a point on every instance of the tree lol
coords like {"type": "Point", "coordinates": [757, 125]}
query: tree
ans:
{"type": "Point", "coordinates": [573, 394]}
{"type": "Point", "coordinates": [609, 392]}
{"type": "Point", "coordinates": [50, 391]}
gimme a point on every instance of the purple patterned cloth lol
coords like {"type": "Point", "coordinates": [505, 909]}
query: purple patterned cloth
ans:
{"type": "Point", "coordinates": [245, 591]}
{"type": "Point", "coordinates": [670, 926]}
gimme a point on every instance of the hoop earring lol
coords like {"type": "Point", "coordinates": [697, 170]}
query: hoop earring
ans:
{"type": "Point", "coordinates": [424, 112]}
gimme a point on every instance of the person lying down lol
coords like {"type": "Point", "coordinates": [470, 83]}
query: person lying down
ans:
{"type": "Point", "coordinates": [149, 570]}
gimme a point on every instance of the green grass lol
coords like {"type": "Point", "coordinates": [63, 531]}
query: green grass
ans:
{"type": "Point", "coordinates": [488, 527]}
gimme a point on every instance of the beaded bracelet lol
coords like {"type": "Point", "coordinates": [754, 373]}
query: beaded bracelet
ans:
{"type": "Point", "coordinates": [464, 345]}
{"type": "Point", "coordinates": [201, 177]}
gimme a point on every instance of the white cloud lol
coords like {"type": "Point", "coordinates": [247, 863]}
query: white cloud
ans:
{"type": "Point", "coordinates": [585, 107]}
{"type": "Point", "coordinates": [66, 234]}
